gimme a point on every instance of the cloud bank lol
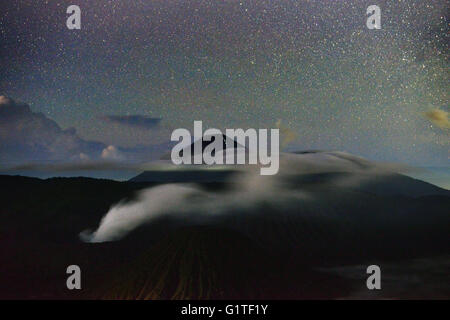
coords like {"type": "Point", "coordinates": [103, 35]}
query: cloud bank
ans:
{"type": "Point", "coordinates": [28, 138]}
{"type": "Point", "coordinates": [439, 118]}
{"type": "Point", "coordinates": [31, 136]}
{"type": "Point", "coordinates": [137, 121]}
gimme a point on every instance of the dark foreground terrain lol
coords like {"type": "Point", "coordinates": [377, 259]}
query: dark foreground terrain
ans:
{"type": "Point", "coordinates": [319, 253]}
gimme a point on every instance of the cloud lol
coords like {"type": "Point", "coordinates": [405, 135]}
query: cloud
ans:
{"type": "Point", "coordinates": [137, 121]}
{"type": "Point", "coordinates": [31, 136]}
{"type": "Point", "coordinates": [112, 153]}
{"type": "Point", "coordinates": [84, 157]}
{"type": "Point", "coordinates": [438, 117]}
{"type": "Point", "coordinates": [5, 100]}
{"type": "Point", "coordinates": [31, 139]}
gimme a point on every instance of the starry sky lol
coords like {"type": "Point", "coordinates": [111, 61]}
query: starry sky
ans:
{"type": "Point", "coordinates": [139, 69]}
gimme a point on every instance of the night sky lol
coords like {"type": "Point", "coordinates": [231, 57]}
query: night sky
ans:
{"type": "Point", "coordinates": [139, 69]}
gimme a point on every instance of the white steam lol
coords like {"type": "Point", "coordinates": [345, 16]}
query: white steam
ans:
{"type": "Point", "coordinates": [250, 189]}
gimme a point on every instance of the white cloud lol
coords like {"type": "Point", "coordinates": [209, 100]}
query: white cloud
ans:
{"type": "Point", "coordinates": [31, 136]}
{"type": "Point", "coordinates": [112, 153]}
